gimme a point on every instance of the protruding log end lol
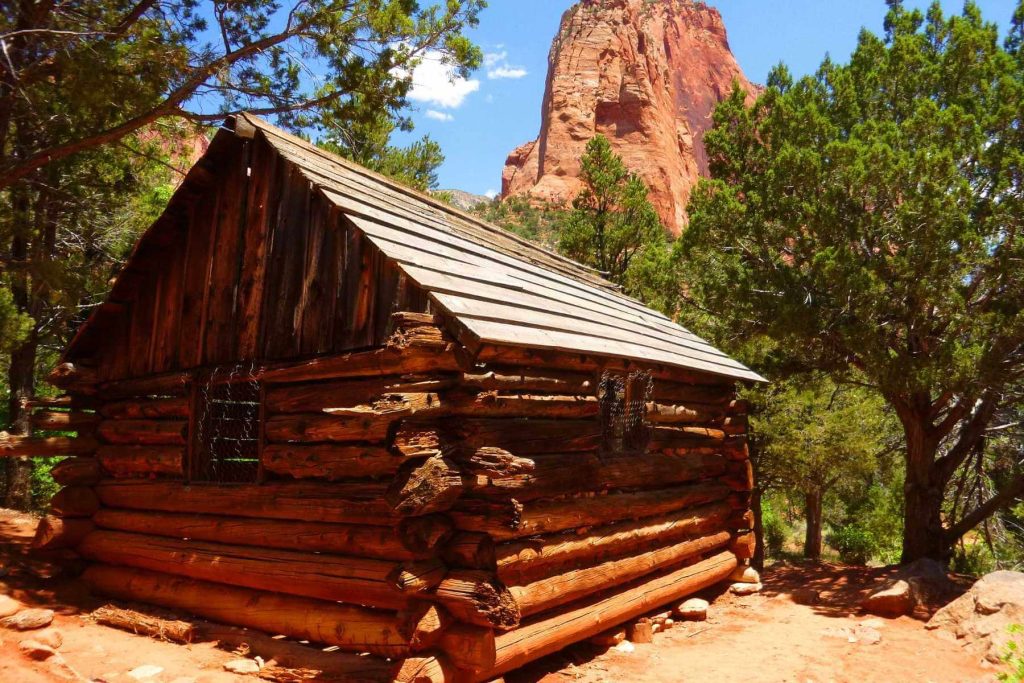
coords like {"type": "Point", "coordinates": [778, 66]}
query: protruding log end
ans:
{"type": "Point", "coordinates": [422, 624]}
{"type": "Point", "coordinates": [54, 533]}
{"type": "Point", "coordinates": [428, 669]}
{"type": "Point", "coordinates": [478, 597]}
{"type": "Point", "coordinates": [419, 488]}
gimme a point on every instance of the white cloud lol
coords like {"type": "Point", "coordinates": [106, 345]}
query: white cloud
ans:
{"type": "Point", "coordinates": [434, 82]}
{"type": "Point", "coordinates": [439, 115]}
{"type": "Point", "coordinates": [491, 194]}
{"type": "Point", "coordinates": [506, 72]}
{"type": "Point", "coordinates": [497, 66]}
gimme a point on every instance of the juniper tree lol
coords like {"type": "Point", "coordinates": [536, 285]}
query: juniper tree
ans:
{"type": "Point", "coordinates": [870, 220]}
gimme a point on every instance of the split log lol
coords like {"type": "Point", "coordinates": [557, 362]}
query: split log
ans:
{"type": "Point", "coordinates": [686, 394]}
{"type": "Point", "coordinates": [528, 560]}
{"type": "Point", "coordinates": [174, 630]}
{"type": "Point", "coordinates": [143, 432]}
{"type": "Point", "coordinates": [74, 501]}
{"type": "Point", "coordinates": [328, 461]}
{"type": "Point", "coordinates": [80, 471]}
{"type": "Point", "coordinates": [313, 427]}
{"type": "Point", "coordinates": [663, 413]}
{"type": "Point", "coordinates": [422, 623]}
{"type": "Point", "coordinates": [744, 545]}
{"type": "Point", "coordinates": [141, 461]}
{"type": "Point", "coordinates": [520, 380]}
{"type": "Point", "coordinates": [565, 587]}
{"type": "Point", "coordinates": [490, 405]}
{"type": "Point", "coordinates": [349, 627]}
{"type": "Point", "coordinates": [431, 485]}
{"type": "Point", "coordinates": [394, 406]}
{"type": "Point", "coordinates": [169, 384]}
{"type": "Point", "coordinates": [555, 475]}
{"type": "Point", "coordinates": [587, 618]}
{"type": "Point", "coordinates": [470, 648]}
{"type": "Point", "coordinates": [414, 440]}
{"type": "Point", "coordinates": [155, 408]}
{"type": "Point", "coordinates": [527, 436]}
{"type": "Point", "coordinates": [427, 669]}
{"type": "Point", "coordinates": [56, 533]}
{"type": "Point", "coordinates": [423, 534]}
{"type": "Point", "coordinates": [683, 437]}
{"type": "Point", "coordinates": [328, 577]}
{"type": "Point", "coordinates": [386, 361]}
{"type": "Point", "coordinates": [44, 447]}
{"type": "Point", "coordinates": [417, 577]}
{"type": "Point", "coordinates": [63, 401]}
{"type": "Point", "coordinates": [379, 542]}
{"type": "Point", "coordinates": [64, 420]}
{"type": "Point", "coordinates": [348, 503]}
{"type": "Point", "coordinates": [470, 550]}
{"type": "Point", "coordinates": [488, 461]}
{"type": "Point", "coordinates": [515, 520]}
{"type": "Point", "coordinates": [308, 398]}
{"type": "Point", "coordinates": [477, 597]}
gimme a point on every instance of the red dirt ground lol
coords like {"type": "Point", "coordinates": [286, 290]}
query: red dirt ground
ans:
{"type": "Point", "coordinates": [765, 637]}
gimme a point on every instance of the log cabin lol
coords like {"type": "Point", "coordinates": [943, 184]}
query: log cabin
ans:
{"type": "Point", "coordinates": [322, 405]}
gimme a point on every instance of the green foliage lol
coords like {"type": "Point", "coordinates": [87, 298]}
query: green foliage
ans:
{"type": "Point", "coordinates": [112, 67]}
{"type": "Point", "coordinates": [867, 220]}
{"type": "Point", "coordinates": [614, 228]}
{"type": "Point", "coordinates": [973, 559]}
{"type": "Point", "coordinates": [524, 217]}
{"type": "Point", "coordinates": [14, 325]}
{"type": "Point", "coordinates": [1013, 657]}
{"type": "Point", "coordinates": [855, 544]}
{"type": "Point", "coordinates": [775, 530]}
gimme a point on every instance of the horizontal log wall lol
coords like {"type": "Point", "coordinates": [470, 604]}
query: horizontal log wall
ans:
{"type": "Point", "coordinates": [476, 510]}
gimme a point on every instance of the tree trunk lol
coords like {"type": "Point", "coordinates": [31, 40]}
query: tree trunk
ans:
{"type": "Point", "coordinates": [923, 534]}
{"type": "Point", "coordinates": [812, 540]}
{"type": "Point", "coordinates": [21, 380]}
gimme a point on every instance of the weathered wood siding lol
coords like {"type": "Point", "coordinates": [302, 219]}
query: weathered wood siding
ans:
{"type": "Point", "coordinates": [254, 264]}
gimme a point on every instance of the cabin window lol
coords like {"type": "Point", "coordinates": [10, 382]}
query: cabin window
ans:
{"type": "Point", "coordinates": [227, 412]}
{"type": "Point", "coordinates": [623, 401]}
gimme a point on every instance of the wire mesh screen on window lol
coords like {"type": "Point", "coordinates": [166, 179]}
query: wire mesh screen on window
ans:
{"type": "Point", "coordinates": [227, 433]}
{"type": "Point", "coordinates": [623, 401]}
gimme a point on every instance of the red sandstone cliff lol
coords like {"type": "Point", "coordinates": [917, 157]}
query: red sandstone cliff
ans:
{"type": "Point", "coordinates": [647, 75]}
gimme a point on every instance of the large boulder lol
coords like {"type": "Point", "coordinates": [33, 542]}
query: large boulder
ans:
{"type": "Point", "coordinates": [980, 618]}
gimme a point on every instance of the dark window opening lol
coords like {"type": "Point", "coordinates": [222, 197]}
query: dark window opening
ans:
{"type": "Point", "coordinates": [623, 401]}
{"type": "Point", "coordinates": [226, 446]}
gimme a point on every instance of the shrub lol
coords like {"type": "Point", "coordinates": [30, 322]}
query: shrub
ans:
{"type": "Point", "coordinates": [854, 543]}
{"type": "Point", "coordinates": [1013, 658]}
{"type": "Point", "coordinates": [775, 532]}
{"type": "Point", "coordinates": [975, 559]}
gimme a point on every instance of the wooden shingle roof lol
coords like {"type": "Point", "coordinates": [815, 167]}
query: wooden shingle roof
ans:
{"type": "Point", "coordinates": [501, 288]}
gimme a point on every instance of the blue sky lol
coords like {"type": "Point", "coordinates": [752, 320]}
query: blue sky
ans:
{"type": "Point", "coordinates": [478, 122]}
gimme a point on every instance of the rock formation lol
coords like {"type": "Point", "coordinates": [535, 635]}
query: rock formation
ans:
{"type": "Point", "coordinates": [647, 75]}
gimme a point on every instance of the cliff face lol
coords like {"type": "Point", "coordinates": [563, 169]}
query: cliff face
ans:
{"type": "Point", "coordinates": [647, 75]}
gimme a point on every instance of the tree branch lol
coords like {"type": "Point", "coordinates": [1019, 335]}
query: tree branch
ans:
{"type": "Point", "coordinates": [1012, 490]}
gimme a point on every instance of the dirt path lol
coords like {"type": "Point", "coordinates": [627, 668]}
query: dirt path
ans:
{"type": "Point", "coordinates": [759, 638]}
